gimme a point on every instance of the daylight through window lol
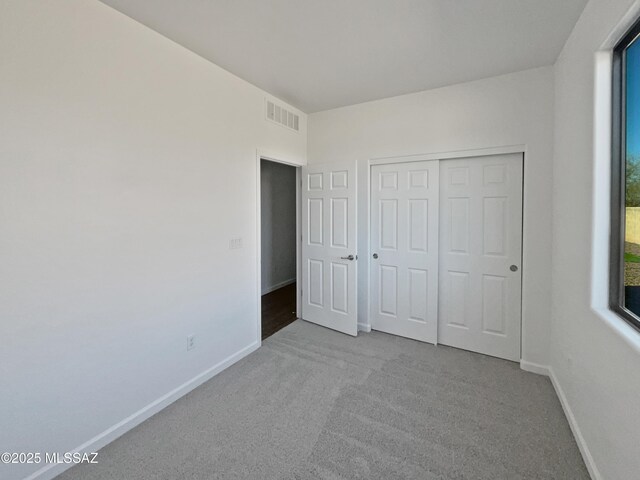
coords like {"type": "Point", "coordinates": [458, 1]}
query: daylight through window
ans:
{"type": "Point", "coordinates": [625, 257]}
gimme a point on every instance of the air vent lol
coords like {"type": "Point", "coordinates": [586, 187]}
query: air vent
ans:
{"type": "Point", "coordinates": [280, 115]}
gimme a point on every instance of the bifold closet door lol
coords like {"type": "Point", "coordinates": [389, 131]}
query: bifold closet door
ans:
{"type": "Point", "coordinates": [404, 248]}
{"type": "Point", "coordinates": [329, 241]}
{"type": "Point", "coordinates": [480, 254]}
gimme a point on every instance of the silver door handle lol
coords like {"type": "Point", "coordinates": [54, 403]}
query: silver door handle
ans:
{"type": "Point", "coordinates": [375, 255]}
{"type": "Point", "coordinates": [513, 268]}
{"type": "Point", "coordinates": [350, 257]}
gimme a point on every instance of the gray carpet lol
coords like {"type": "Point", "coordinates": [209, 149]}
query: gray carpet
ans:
{"type": "Point", "coordinates": [313, 403]}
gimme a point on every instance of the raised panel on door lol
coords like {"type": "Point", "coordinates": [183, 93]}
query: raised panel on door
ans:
{"type": "Point", "coordinates": [418, 225]}
{"type": "Point", "coordinates": [404, 226]}
{"type": "Point", "coordinates": [329, 246]}
{"type": "Point", "coordinates": [388, 224]}
{"type": "Point", "coordinates": [494, 304]}
{"type": "Point", "coordinates": [458, 226]}
{"type": "Point", "coordinates": [387, 181]}
{"type": "Point", "coordinates": [418, 295]}
{"type": "Point", "coordinates": [494, 228]}
{"type": "Point", "coordinates": [314, 224]}
{"type": "Point", "coordinates": [419, 178]}
{"type": "Point", "coordinates": [388, 290]}
{"type": "Point", "coordinates": [456, 295]}
{"type": "Point", "coordinates": [315, 284]}
{"type": "Point", "coordinates": [481, 230]}
{"type": "Point", "coordinates": [339, 222]}
{"type": "Point", "coordinates": [339, 288]}
{"type": "Point", "coordinates": [315, 181]}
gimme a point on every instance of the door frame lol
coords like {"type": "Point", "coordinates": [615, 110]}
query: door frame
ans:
{"type": "Point", "coordinates": [259, 157]}
{"type": "Point", "coordinates": [366, 210]}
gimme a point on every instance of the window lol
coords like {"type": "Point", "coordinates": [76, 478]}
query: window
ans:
{"type": "Point", "coordinates": [625, 176]}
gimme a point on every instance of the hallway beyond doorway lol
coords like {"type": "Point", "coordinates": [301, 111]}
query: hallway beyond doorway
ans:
{"type": "Point", "coordinates": [278, 309]}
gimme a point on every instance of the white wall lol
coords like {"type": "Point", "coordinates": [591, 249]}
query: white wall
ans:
{"type": "Point", "coordinates": [278, 222]}
{"type": "Point", "coordinates": [515, 109]}
{"type": "Point", "coordinates": [126, 165]}
{"type": "Point", "coordinates": [594, 355]}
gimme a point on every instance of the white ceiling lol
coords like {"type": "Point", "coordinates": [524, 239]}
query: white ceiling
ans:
{"type": "Point", "coordinates": [322, 54]}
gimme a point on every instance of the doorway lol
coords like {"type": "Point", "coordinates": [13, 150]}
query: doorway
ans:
{"type": "Point", "coordinates": [278, 246]}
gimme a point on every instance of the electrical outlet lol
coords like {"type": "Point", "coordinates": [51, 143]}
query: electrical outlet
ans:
{"type": "Point", "coordinates": [191, 342]}
{"type": "Point", "coordinates": [235, 243]}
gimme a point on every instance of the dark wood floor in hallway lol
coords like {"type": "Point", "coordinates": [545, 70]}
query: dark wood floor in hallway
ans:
{"type": "Point", "coordinates": [278, 309]}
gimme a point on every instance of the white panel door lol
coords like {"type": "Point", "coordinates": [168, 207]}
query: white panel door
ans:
{"type": "Point", "coordinates": [480, 254]}
{"type": "Point", "coordinates": [329, 280]}
{"type": "Point", "coordinates": [404, 246]}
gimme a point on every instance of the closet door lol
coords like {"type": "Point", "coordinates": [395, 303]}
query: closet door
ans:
{"type": "Point", "coordinates": [480, 254]}
{"type": "Point", "coordinates": [404, 246]}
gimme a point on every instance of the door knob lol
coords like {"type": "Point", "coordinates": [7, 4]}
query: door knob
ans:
{"type": "Point", "coordinates": [350, 257]}
{"type": "Point", "coordinates": [375, 255]}
{"type": "Point", "coordinates": [513, 268]}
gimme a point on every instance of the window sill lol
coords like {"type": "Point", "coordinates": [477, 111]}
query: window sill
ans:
{"type": "Point", "coordinates": [620, 326]}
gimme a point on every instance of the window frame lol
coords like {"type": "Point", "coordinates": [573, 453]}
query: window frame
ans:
{"type": "Point", "coordinates": [618, 178]}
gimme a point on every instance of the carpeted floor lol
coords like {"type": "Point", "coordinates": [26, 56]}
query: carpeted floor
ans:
{"type": "Point", "coordinates": [313, 403]}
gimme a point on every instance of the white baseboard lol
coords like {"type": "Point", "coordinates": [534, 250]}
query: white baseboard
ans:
{"type": "Point", "coordinates": [577, 434]}
{"type": "Point", "coordinates": [50, 471]}
{"type": "Point", "coordinates": [575, 429]}
{"type": "Point", "coordinates": [534, 368]}
{"type": "Point", "coordinates": [93, 445]}
{"type": "Point", "coordinates": [364, 327]}
{"type": "Point", "coordinates": [275, 287]}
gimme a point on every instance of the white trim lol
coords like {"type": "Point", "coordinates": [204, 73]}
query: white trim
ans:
{"type": "Point", "coordinates": [272, 157]}
{"type": "Point", "coordinates": [477, 152]}
{"type": "Point", "coordinates": [364, 314]}
{"type": "Point", "coordinates": [109, 435]}
{"type": "Point", "coordinates": [259, 157]}
{"type": "Point", "coordinates": [577, 434]}
{"type": "Point", "coordinates": [264, 155]}
{"type": "Point", "coordinates": [568, 413]}
{"type": "Point", "coordinates": [275, 287]}
{"type": "Point", "coordinates": [600, 226]}
{"type": "Point", "coordinates": [364, 327]}
{"type": "Point", "coordinates": [620, 327]}
{"type": "Point", "coordinates": [628, 19]}
{"type": "Point", "coordinates": [299, 241]}
{"type": "Point", "coordinates": [534, 368]}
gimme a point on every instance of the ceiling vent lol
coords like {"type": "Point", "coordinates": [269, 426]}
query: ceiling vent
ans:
{"type": "Point", "coordinates": [280, 115]}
